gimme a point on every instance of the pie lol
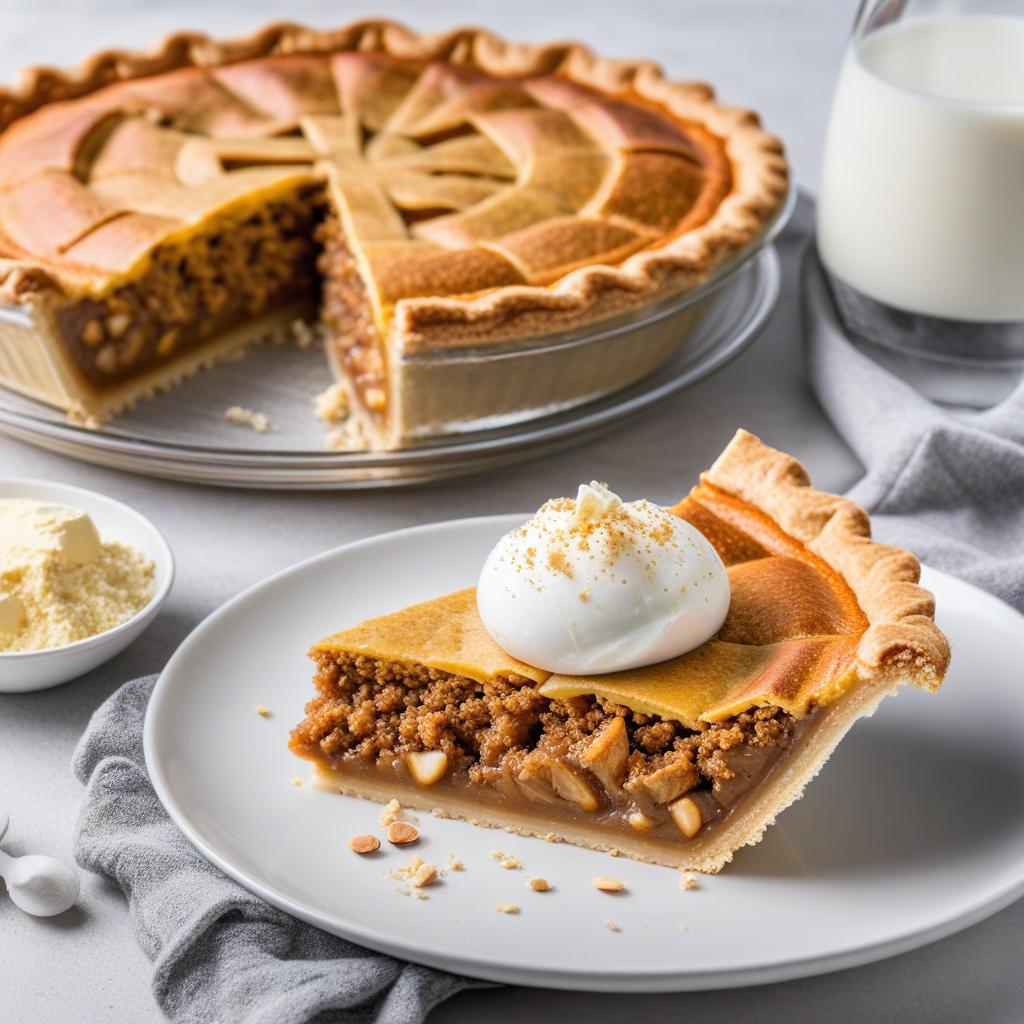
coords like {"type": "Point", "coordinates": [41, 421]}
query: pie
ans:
{"type": "Point", "coordinates": [432, 196]}
{"type": "Point", "coordinates": [678, 763]}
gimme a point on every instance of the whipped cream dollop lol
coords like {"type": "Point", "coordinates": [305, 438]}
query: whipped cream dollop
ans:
{"type": "Point", "coordinates": [594, 584]}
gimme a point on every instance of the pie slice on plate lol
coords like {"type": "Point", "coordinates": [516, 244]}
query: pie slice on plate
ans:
{"type": "Point", "coordinates": [680, 762]}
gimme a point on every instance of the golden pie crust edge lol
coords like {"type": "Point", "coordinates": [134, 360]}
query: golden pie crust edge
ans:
{"type": "Point", "coordinates": [756, 157]}
{"type": "Point", "coordinates": [901, 645]}
{"type": "Point", "coordinates": [902, 641]}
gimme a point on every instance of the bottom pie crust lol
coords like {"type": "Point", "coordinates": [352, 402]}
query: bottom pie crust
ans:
{"type": "Point", "coordinates": [28, 367]}
{"type": "Point", "coordinates": [744, 824]}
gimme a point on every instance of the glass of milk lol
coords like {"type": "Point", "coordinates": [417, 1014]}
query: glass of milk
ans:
{"type": "Point", "coordinates": [921, 213]}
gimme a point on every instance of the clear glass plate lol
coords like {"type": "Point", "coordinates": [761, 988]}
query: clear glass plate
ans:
{"type": "Point", "coordinates": [182, 435]}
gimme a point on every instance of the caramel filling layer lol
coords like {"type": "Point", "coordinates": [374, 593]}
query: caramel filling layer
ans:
{"type": "Point", "coordinates": [504, 739]}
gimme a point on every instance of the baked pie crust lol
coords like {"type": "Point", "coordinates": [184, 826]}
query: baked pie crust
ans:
{"type": "Point", "coordinates": [679, 763]}
{"type": "Point", "coordinates": [449, 193]}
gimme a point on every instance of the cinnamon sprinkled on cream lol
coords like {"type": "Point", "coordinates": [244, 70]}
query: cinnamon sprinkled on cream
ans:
{"type": "Point", "coordinates": [558, 562]}
{"type": "Point", "coordinates": [594, 584]}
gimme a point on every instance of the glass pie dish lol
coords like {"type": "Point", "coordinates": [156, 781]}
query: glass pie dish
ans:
{"type": "Point", "coordinates": [593, 376]}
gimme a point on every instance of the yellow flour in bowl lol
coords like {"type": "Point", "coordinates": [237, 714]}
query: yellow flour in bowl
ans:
{"type": "Point", "coordinates": [59, 582]}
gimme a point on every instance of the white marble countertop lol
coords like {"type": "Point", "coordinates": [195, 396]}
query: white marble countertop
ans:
{"type": "Point", "coordinates": [778, 55]}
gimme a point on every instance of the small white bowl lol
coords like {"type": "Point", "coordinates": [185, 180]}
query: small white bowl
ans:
{"type": "Point", "coordinates": [38, 670]}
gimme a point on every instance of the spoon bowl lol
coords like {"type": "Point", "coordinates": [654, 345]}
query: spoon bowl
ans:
{"type": "Point", "coordinates": [41, 886]}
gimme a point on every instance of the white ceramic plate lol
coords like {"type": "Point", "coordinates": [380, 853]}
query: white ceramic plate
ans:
{"type": "Point", "coordinates": [914, 830]}
{"type": "Point", "coordinates": [39, 670]}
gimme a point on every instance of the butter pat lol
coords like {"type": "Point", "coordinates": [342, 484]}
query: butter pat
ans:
{"type": "Point", "coordinates": [31, 528]}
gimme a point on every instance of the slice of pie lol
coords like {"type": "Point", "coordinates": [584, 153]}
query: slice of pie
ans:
{"type": "Point", "coordinates": [431, 196]}
{"type": "Point", "coordinates": [680, 762]}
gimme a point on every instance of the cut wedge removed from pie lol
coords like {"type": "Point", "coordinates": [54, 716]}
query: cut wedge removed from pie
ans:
{"type": "Point", "coordinates": [680, 762]}
{"type": "Point", "coordinates": [426, 194]}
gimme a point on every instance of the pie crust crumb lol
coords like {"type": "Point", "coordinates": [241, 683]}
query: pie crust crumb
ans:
{"type": "Point", "coordinates": [304, 335]}
{"type": "Point", "coordinates": [331, 404]}
{"type": "Point", "coordinates": [454, 864]}
{"type": "Point", "coordinates": [688, 881]}
{"type": "Point", "coordinates": [425, 874]}
{"type": "Point", "coordinates": [390, 812]}
{"type": "Point", "coordinates": [243, 417]}
{"type": "Point", "coordinates": [263, 711]}
{"type": "Point", "coordinates": [507, 908]}
{"type": "Point", "coordinates": [540, 884]}
{"type": "Point", "coordinates": [350, 437]}
{"type": "Point", "coordinates": [298, 780]}
{"type": "Point", "coordinates": [612, 926]}
{"type": "Point", "coordinates": [506, 860]}
{"type": "Point", "coordinates": [415, 874]}
{"type": "Point", "coordinates": [608, 884]}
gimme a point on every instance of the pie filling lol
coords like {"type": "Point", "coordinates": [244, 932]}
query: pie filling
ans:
{"type": "Point", "coordinates": [245, 264]}
{"type": "Point", "coordinates": [356, 346]}
{"type": "Point", "coordinates": [584, 758]}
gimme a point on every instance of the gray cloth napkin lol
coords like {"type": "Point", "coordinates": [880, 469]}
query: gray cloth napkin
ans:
{"type": "Point", "coordinates": [947, 486]}
{"type": "Point", "coordinates": [222, 955]}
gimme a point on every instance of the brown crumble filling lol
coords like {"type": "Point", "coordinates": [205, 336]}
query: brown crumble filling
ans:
{"type": "Point", "coordinates": [374, 711]}
{"type": "Point", "coordinates": [347, 313]}
{"type": "Point", "coordinates": [240, 268]}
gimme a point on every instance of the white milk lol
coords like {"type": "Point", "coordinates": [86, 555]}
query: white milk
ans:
{"type": "Point", "coordinates": [922, 199]}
